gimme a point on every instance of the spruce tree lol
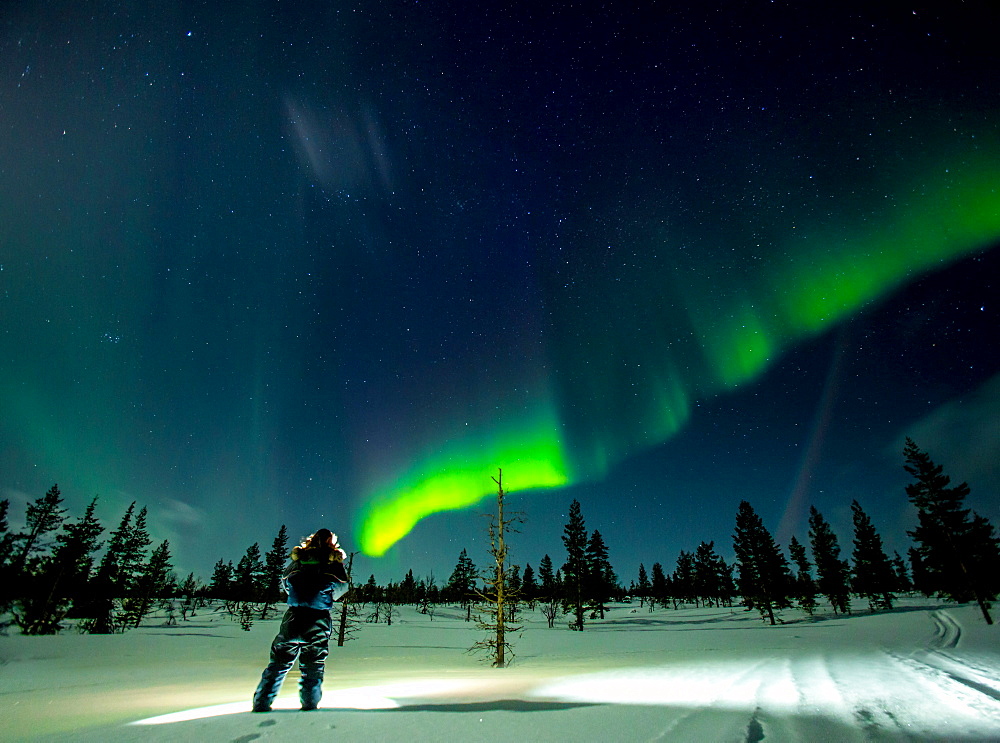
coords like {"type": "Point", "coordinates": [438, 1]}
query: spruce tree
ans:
{"type": "Point", "coordinates": [684, 579]}
{"type": "Point", "coordinates": [269, 589]}
{"type": "Point", "coordinates": [7, 591]}
{"type": "Point", "coordinates": [220, 585]}
{"type": "Point", "coordinates": [576, 570]}
{"type": "Point", "coordinates": [108, 583]}
{"type": "Point", "coordinates": [462, 584]}
{"type": "Point", "coordinates": [763, 571]}
{"type": "Point", "coordinates": [872, 576]}
{"type": "Point", "coordinates": [920, 577]}
{"type": "Point", "coordinates": [710, 574]}
{"type": "Point", "coordinates": [371, 591]}
{"type": "Point", "coordinates": [547, 578]}
{"type": "Point", "coordinates": [603, 581]}
{"type": "Point", "coordinates": [832, 572]}
{"type": "Point", "coordinates": [529, 586]}
{"type": "Point", "coordinates": [408, 589]}
{"type": "Point", "coordinates": [154, 580]}
{"type": "Point", "coordinates": [805, 587]}
{"type": "Point", "coordinates": [903, 582]}
{"type": "Point", "coordinates": [659, 590]}
{"type": "Point", "coordinates": [642, 587]}
{"type": "Point", "coordinates": [133, 553]}
{"type": "Point", "coordinates": [6, 538]}
{"type": "Point", "coordinates": [44, 516]}
{"type": "Point", "coordinates": [74, 557]}
{"type": "Point", "coordinates": [248, 574]}
{"type": "Point", "coordinates": [60, 578]}
{"type": "Point", "coordinates": [958, 548]}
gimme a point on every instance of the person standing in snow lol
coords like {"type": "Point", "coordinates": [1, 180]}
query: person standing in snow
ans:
{"type": "Point", "coordinates": [314, 580]}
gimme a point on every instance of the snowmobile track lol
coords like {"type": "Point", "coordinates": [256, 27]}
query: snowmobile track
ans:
{"type": "Point", "coordinates": [947, 631]}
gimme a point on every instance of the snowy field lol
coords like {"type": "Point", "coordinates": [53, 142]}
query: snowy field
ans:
{"type": "Point", "coordinates": [926, 671]}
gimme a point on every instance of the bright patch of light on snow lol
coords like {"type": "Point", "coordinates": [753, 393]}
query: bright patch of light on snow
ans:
{"type": "Point", "coordinates": [216, 710]}
{"type": "Point", "coordinates": [727, 684]}
{"type": "Point", "coordinates": [785, 688]}
{"type": "Point", "coordinates": [361, 698]}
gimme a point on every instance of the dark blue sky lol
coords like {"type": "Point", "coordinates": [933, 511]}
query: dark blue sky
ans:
{"type": "Point", "coordinates": [302, 262]}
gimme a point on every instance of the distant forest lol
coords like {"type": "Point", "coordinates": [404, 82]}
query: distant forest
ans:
{"type": "Point", "coordinates": [51, 571]}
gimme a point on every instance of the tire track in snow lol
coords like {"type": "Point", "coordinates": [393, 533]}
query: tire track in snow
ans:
{"type": "Point", "coordinates": [947, 631]}
{"type": "Point", "coordinates": [961, 699]}
{"type": "Point", "coordinates": [947, 635]}
{"type": "Point", "coordinates": [717, 719]}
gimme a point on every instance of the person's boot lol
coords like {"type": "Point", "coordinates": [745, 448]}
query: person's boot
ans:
{"type": "Point", "coordinates": [267, 690]}
{"type": "Point", "coordinates": [310, 690]}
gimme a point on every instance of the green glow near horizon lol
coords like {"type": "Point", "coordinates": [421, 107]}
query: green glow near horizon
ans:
{"type": "Point", "coordinates": [459, 477]}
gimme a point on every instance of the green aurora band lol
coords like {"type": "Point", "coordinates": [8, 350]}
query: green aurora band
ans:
{"type": "Point", "coordinates": [640, 387]}
{"type": "Point", "coordinates": [458, 479]}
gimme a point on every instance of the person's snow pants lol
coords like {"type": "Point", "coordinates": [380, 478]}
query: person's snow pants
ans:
{"type": "Point", "coordinates": [304, 634]}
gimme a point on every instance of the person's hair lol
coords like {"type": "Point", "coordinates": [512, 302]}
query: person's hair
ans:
{"type": "Point", "coordinates": [319, 539]}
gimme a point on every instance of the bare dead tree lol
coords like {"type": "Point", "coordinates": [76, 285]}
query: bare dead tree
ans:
{"type": "Point", "coordinates": [498, 599]}
{"type": "Point", "coordinates": [550, 610]}
{"type": "Point", "coordinates": [348, 611]}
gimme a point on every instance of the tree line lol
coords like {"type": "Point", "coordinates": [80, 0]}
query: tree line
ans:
{"type": "Point", "coordinates": [49, 571]}
{"type": "Point", "coordinates": [955, 555]}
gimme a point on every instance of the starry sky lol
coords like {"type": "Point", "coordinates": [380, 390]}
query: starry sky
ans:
{"type": "Point", "coordinates": [335, 263]}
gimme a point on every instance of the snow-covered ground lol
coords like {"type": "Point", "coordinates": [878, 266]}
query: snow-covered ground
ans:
{"type": "Point", "coordinates": [925, 671]}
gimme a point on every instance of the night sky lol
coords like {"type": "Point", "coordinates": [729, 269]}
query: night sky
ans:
{"type": "Point", "coordinates": [334, 263]}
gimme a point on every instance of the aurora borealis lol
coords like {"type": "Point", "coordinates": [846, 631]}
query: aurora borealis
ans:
{"type": "Point", "coordinates": [339, 262]}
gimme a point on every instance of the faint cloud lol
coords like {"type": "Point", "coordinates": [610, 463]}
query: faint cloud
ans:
{"type": "Point", "coordinates": [342, 149]}
{"type": "Point", "coordinates": [18, 506]}
{"type": "Point", "coordinates": [963, 436]}
{"type": "Point", "coordinates": [178, 514]}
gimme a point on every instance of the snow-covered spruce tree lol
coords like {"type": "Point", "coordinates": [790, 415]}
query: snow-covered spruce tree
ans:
{"type": "Point", "coordinates": [803, 584]}
{"type": "Point", "coordinates": [832, 572]}
{"type": "Point", "coordinates": [61, 578]}
{"type": "Point", "coordinates": [872, 576]}
{"type": "Point", "coordinates": [497, 599]}
{"type": "Point", "coordinates": [764, 580]}
{"type": "Point", "coordinates": [575, 570]}
{"type": "Point", "coordinates": [958, 548]}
